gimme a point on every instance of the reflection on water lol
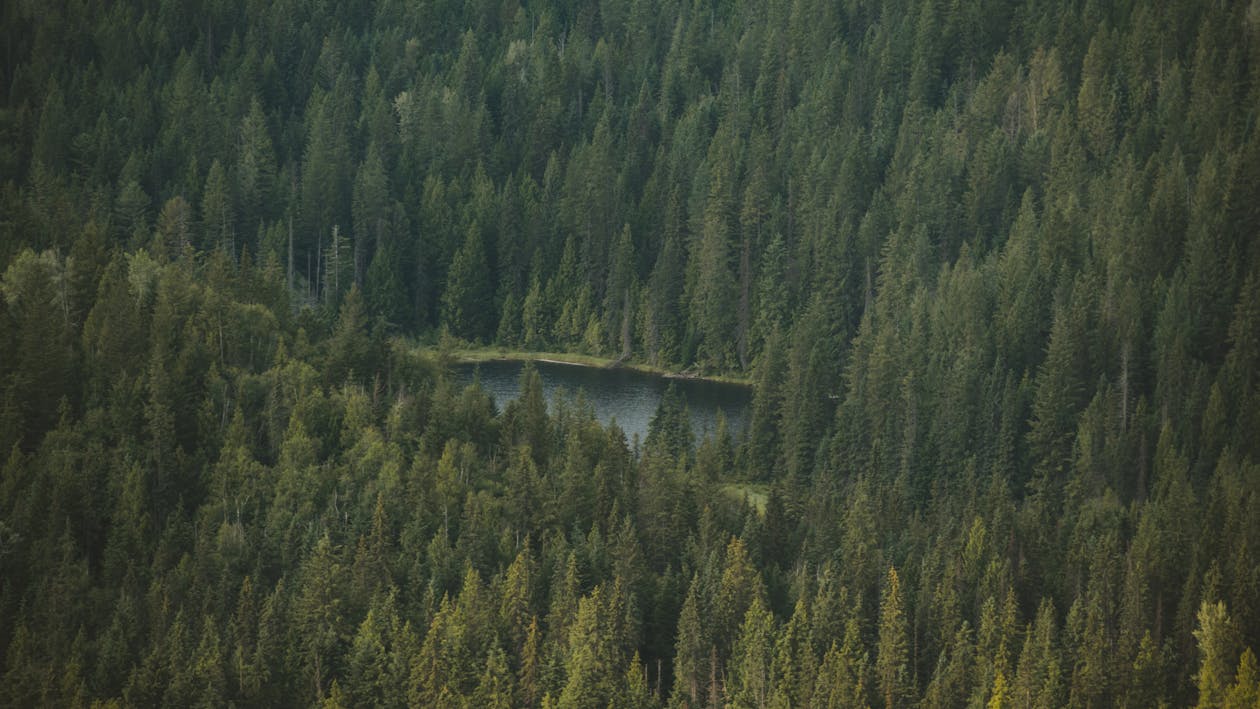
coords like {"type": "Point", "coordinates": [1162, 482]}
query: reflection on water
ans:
{"type": "Point", "coordinates": [625, 395]}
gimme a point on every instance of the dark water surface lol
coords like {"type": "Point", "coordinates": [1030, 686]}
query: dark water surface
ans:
{"type": "Point", "coordinates": [628, 396]}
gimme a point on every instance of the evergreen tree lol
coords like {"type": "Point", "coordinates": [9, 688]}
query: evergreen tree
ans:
{"type": "Point", "coordinates": [689, 653]}
{"type": "Point", "coordinates": [217, 215]}
{"type": "Point", "coordinates": [384, 285]}
{"type": "Point", "coordinates": [843, 677]}
{"type": "Point", "coordinates": [713, 293]}
{"type": "Point", "coordinates": [591, 662]}
{"type": "Point", "coordinates": [669, 431]}
{"type": "Point", "coordinates": [467, 302]}
{"type": "Point", "coordinates": [1218, 646]}
{"type": "Point", "coordinates": [751, 661]}
{"type": "Point", "coordinates": [619, 295]}
{"type": "Point", "coordinates": [991, 270]}
{"type": "Point", "coordinates": [320, 619]}
{"type": "Point", "coordinates": [892, 661]}
{"type": "Point", "coordinates": [370, 208]}
{"type": "Point", "coordinates": [255, 167]}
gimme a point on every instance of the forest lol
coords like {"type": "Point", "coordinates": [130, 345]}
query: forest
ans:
{"type": "Point", "coordinates": [992, 267]}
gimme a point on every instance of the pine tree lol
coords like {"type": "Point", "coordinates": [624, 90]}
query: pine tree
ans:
{"type": "Point", "coordinates": [590, 664]}
{"type": "Point", "coordinates": [217, 215]}
{"type": "Point", "coordinates": [326, 166]}
{"type": "Point", "coordinates": [892, 661]}
{"type": "Point", "coordinates": [384, 288]}
{"type": "Point", "coordinates": [955, 668]}
{"type": "Point", "coordinates": [467, 302]}
{"type": "Point", "coordinates": [636, 694]}
{"type": "Point", "coordinates": [843, 678]}
{"type": "Point", "coordinates": [689, 653]}
{"type": "Point", "coordinates": [752, 658]}
{"type": "Point", "coordinates": [174, 225]}
{"type": "Point", "coordinates": [255, 169]}
{"type": "Point", "coordinates": [1039, 680]}
{"type": "Point", "coordinates": [1095, 102]}
{"type": "Point", "coordinates": [495, 687]}
{"type": "Point", "coordinates": [354, 348]}
{"type": "Point", "coordinates": [528, 677]}
{"type": "Point", "coordinates": [795, 665]}
{"type": "Point", "coordinates": [208, 676]}
{"type": "Point", "coordinates": [337, 276]}
{"type": "Point", "coordinates": [714, 297]}
{"type": "Point", "coordinates": [659, 323]}
{"type": "Point", "coordinates": [763, 432]}
{"type": "Point", "coordinates": [1246, 689]}
{"type": "Point", "coordinates": [740, 587]}
{"type": "Point", "coordinates": [370, 208]}
{"type": "Point", "coordinates": [1218, 646]}
{"type": "Point", "coordinates": [619, 295]}
{"type": "Point", "coordinates": [669, 431]}
{"type": "Point", "coordinates": [320, 619]}
{"type": "Point", "coordinates": [515, 616]}
{"type": "Point", "coordinates": [534, 325]}
{"type": "Point", "coordinates": [1148, 675]}
{"type": "Point", "coordinates": [41, 372]}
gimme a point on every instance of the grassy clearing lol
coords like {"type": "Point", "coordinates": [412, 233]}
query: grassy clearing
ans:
{"type": "Point", "coordinates": [491, 354]}
{"type": "Point", "coordinates": [755, 493]}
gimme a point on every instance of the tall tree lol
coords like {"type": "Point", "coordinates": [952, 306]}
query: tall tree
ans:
{"type": "Point", "coordinates": [255, 169]}
{"type": "Point", "coordinates": [1218, 648]}
{"type": "Point", "coordinates": [714, 297]}
{"type": "Point", "coordinates": [217, 217]}
{"type": "Point", "coordinates": [892, 661]}
{"type": "Point", "coordinates": [690, 653]}
{"type": "Point", "coordinates": [467, 302]}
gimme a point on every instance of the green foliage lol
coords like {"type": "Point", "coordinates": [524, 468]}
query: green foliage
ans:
{"type": "Point", "coordinates": [467, 301]}
{"type": "Point", "coordinates": [892, 667]}
{"type": "Point", "coordinates": [1218, 646]}
{"type": "Point", "coordinates": [670, 428]}
{"type": "Point", "coordinates": [689, 652]}
{"type": "Point", "coordinates": [992, 266]}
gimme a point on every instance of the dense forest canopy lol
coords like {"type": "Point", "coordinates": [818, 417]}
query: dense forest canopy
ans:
{"type": "Point", "coordinates": [993, 267]}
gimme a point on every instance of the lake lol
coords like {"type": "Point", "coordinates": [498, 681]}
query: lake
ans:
{"type": "Point", "coordinates": [628, 396]}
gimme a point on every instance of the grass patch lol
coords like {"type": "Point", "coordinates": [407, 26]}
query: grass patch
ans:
{"type": "Point", "coordinates": [755, 493]}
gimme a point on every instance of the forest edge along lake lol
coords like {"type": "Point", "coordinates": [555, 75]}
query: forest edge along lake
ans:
{"type": "Point", "coordinates": [627, 395]}
{"type": "Point", "coordinates": [457, 355]}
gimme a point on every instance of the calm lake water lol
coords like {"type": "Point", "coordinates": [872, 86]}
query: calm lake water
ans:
{"type": "Point", "coordinates": [628, 396]}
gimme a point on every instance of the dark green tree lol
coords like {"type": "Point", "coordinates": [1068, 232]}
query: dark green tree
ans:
{"type": "Point", "coordinates": [468, 301]}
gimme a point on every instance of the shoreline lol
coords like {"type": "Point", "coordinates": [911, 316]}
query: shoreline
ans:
{"type": "Point", "coordinates": [472, 355]}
